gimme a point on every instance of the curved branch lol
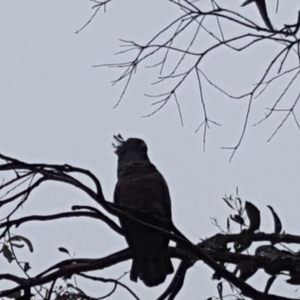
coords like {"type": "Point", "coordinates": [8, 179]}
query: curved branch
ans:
{"type": "Point", "coordinates": [65, 270]}
{"type": "Point", "coordinates": [99, 216]}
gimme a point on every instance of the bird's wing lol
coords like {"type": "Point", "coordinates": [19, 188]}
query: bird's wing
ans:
{"type": "Point", "coordinates": [148, 196]}
{"type": "Point", "coordinates": [146, 193]}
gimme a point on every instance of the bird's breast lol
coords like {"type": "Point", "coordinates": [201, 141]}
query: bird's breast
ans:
{"type": "Point", "coordinates": [144, 193]}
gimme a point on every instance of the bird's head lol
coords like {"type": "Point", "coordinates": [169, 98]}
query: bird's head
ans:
{"type": "Point", "coordinates": [130, 150]}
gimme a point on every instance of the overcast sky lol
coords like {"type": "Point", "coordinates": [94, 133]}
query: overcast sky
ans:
{"type": "Point", "coordinates": [57, 108]}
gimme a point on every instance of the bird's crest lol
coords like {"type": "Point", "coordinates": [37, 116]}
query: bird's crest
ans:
{"type": "Point", "coordinates": [120, 140]}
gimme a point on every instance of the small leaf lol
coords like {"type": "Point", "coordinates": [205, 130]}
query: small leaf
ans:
{"type": "Point", "coordinates": [269, 284]}
{"type": "Point", "coordinates": [228, 224]}
{"type": "Point", "coordinates": [7, 253]}
{"type": "Point", "coordinates": [17, 245]}
{"type": "Point", "coordinates": [277, 222]}
{"type": "Point", "coordinates": [64, 250]}
{"type": "Point", "coordinates": [238, 219]}
{"type": "Point", "coordinates": [228, 203]}
{"type": "Point", "coordinates": [239, 201]}
{"type": "Point", "coordinates": [253, 215]}
{"type": "Point", "coordinates": [26, 266]}
{"type": "Point", "coordinates": [220, 290]}
{"type": "Point", "coordinates": [23, 239]}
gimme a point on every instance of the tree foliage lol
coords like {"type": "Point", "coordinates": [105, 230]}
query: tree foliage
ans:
{"type": "Point", "coordinates": [234, 257]}
{"type": "Point", "coordinates": [182, 54]}
{"type": "Point", "coordinates": [236, 253]}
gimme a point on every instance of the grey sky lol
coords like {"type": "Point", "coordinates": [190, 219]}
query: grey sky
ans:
{"type": "Point", "coordinates": [57, 108]}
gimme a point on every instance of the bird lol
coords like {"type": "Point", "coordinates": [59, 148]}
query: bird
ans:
{"type": "Point", "coordinates": [142, 190]}
{"type": "Point", "coordinates": [261, 5]}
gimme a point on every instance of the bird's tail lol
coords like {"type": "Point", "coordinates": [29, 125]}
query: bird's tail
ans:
{"type": "Point", "coordinates": [151, 269]}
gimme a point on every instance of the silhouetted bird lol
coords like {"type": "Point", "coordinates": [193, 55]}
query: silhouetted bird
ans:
{"type": "Point", "coordinates": [261, 5]}
{"type": "Point", "coordinates": [143, 192]}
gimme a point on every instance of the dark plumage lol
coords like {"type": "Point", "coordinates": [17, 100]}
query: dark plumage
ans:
{"type": "Point", "coordinates": [144, 191]}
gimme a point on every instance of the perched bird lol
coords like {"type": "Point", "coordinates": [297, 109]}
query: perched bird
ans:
{"type": "Point", "coordinates": [261, 5]}
{"type": "Point", "coordinates": [143, 192]}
